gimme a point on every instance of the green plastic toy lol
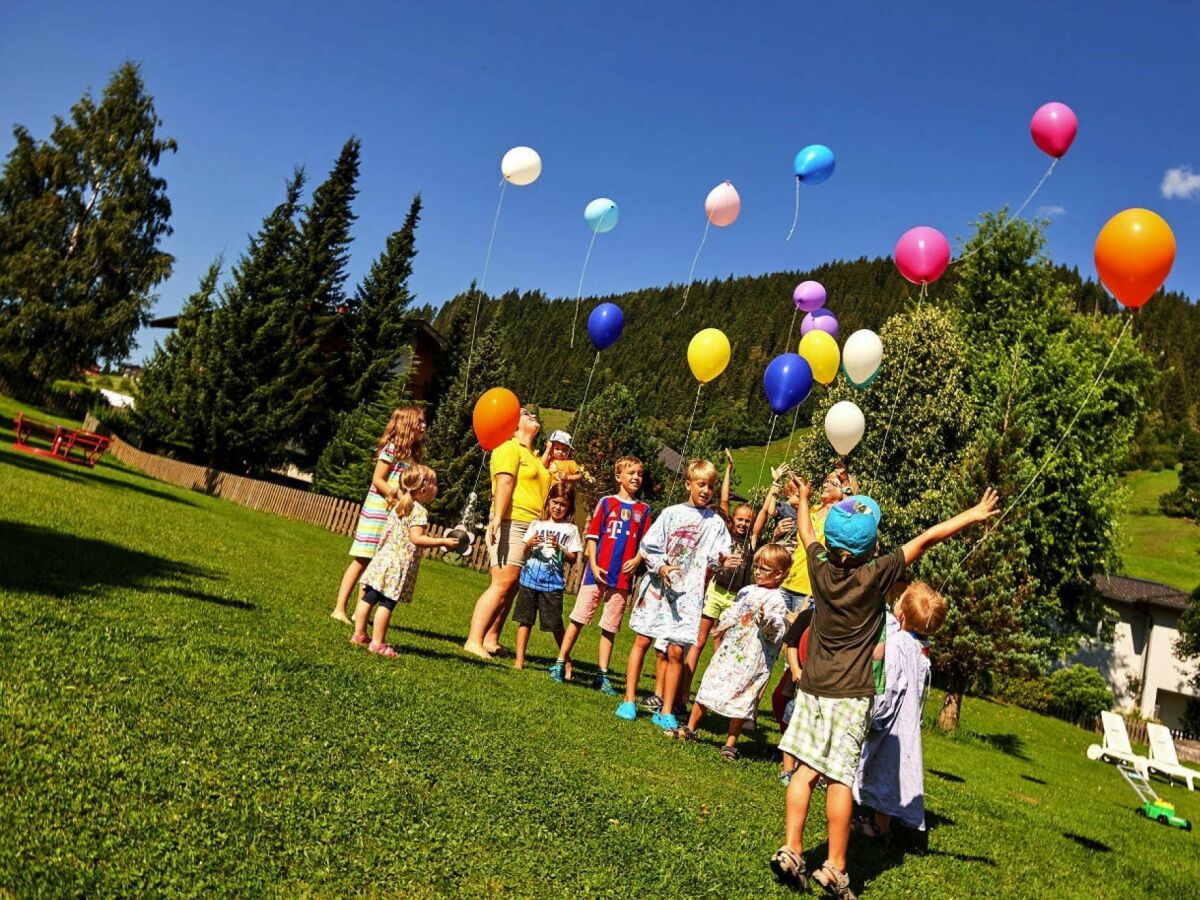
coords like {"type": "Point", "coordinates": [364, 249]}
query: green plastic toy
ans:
{"type": "Point", "coordinates": [1153, 806]}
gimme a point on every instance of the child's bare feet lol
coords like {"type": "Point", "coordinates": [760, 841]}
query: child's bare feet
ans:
{"type": "Point", "coordinates": [476, 650]}
{"type": "Point", "coordinates": [341, 617]}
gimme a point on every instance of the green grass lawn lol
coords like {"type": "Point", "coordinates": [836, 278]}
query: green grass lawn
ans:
{"type": "Point", "coordinates": [1159, 547]}
{"type": "Point", "coordinates": [748, 462]}
{"type": "Point", "coordinates": [554, 419]}
{"type": "Point", "coordinates": [179, 715]}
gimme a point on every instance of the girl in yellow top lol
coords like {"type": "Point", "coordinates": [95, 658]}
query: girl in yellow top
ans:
{"type": "Point", "coordinates": [520, 483]}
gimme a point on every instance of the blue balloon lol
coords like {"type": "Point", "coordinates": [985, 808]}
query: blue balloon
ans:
{"type": "Point", "coordinates": [605, 325]}
{"type": "Point", "coordinates": [814, 164]}
{"type": "Point", "coordinates": [601, 215]}
{"type": "Point", "coordinates": [787, 382]}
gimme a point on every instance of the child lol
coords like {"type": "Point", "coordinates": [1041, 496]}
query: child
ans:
{"type": "Point", "coordinates": [614, 539]}
{"type": "Point", "coordinates": [557, 458]}
{"type": "Point", "coordinates": [681, 545]}
{"type": "Point", "coordinates": [392, 573]}
{"type": "Point", "coordinates": [783, 699]}
{"type": "Point", "coordinates": [833, 702]}
{"type": "Point", "coordinates": [891, 774]}
{"type": "Point", "coordinates": [549, 542]}
{"type": "Point", "coordinates": [749, 631]}
{"type": "Point", "coordinates": [399, 446]}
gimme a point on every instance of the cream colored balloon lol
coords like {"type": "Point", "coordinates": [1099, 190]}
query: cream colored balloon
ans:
{"type": "Point", "coordinates": [844, 426]}
{"type": "Point", "coordinates": [521, 166]}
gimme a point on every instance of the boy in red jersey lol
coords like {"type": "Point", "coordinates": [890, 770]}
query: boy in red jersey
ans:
{"type": "Point", "coordinates": [613, 539]}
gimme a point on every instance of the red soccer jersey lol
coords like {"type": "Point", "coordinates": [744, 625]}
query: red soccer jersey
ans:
{"type": "Point", "coordinates": [617, 527]}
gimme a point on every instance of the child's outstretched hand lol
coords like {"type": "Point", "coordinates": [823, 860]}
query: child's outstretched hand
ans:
{"type": "Point", "coordinates": [985, 508]}
{"type": "Point", "coordinates": [801, 487]}
{"type": "Point", "coordinates": [728, 459]}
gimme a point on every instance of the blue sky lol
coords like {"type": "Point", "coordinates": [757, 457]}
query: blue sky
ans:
{"type": "Point", "coordinates": [926, 105]}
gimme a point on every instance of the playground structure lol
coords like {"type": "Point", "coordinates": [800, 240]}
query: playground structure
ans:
{"type": "Point", "coordinates": [73, 445]}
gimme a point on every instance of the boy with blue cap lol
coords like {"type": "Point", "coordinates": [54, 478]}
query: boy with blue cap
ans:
{"type": "Point", "coordinates": [833, 700]}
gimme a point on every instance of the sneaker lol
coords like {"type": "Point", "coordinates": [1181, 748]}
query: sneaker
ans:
{"type": "Point", "coordinates": [556, 671]}
{"type": "Point", "coordinates": [653, 703]}
{"type": "Point", "coordinates": [627, 711]}
{"type": "Point", "coordinates": [665, 721]}
{"type": "Point", "coordinates": [601, 683]}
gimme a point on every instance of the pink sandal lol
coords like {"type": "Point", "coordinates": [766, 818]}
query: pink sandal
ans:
{"type": "Point", "coordinates": [382, 649]}
{"type": "Point", "coordinates": [359, 639]}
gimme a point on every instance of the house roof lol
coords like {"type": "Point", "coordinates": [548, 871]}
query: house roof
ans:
{"type": "Point", "coordinates": [1124, 589]}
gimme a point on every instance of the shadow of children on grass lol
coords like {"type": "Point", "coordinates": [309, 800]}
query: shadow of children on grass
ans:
{"type": "Point", "coordinates": [79, 475]}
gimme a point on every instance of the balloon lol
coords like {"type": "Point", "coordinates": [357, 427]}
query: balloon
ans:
{"type": "Point", "coordinates": [722, 205]}
{"type": "Point", "coordinates": [844, 426]}
{"type": "Point", "coordinates": [605, 325]}
{"type": "Point", "coordinates": [601, 215]}
{"type": "Point", "coordinates": [861, 355]}
{"type": "Point", "coordinates": [922, 254]}
{"type": "Point", "coordinates": [1053, 128]}
{"type": "Point", "coordinates": [787, 382]}
{"type": "Point", "coordinates": [708, 354]}
{"type": "Point", "coordinates": [821, 351]}
{"type": "Point", "coordinates": [1134, 254]}
{"type": "Point", "coordinates": [809, 295]}
{"type": "Point", "coordinates": [820, 319]}
{"type": "Point", "coordinates": [496, 416]}
{"type": "Point", "coordinates": [814, 164]}
{"type": "Point", "coordinates": [521, 166]}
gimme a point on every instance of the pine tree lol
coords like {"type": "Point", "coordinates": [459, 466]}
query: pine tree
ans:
{"type": "Point", "coordinates": [381, 308]}
{"type": "Point", "coordinates": [81, 217]}
{"type": "Point", "coordinates": [1184, 501]}
{"type": "Point", "coordinates": [345, 467]}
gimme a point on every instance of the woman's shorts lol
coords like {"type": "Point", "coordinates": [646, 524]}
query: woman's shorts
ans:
{"type": "Point", "coordinates": [717, 600]}
{"type": "Point", "coordinates": [509, 547]}
{"type": "Point", "coordinates": [589, 599]}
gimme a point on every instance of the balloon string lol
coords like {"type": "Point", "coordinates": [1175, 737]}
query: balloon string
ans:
{"type": "Point", "coordinates": [1009, 507]}
{"type": "Point", "coordinates": [579, 290]}
{"type": "Point", "coordinates": [899, 387]}
{"type": "Point", "coordinates": [470, 501]}
{"type": "Point", "coordinates": [1020, 209]}
{"type": "Point", "coordinates": [766, 449]}
{"type": "Point", "coordinates": [487, 261]}
{"type": "Point", "coordinates": [796, 215]}
{"type": "Point", "coordinates": [586, 388]}
{"type": "Point", "coordinates": [788, 343]}
{"type": "Point", "coordinates": [687, 290]}
{"type": "Point", "coordinates": [687, 437]}
{"type": "Point", "coordinates": [795, 420]}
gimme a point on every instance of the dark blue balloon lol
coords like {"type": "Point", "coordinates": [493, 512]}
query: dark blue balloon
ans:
{"type": "Point", "coordinates": [605, 325]}
{"type": "Point", "coordinates": [787, 381]}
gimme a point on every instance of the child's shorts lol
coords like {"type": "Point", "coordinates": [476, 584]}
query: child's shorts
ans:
{"type": "Point", "coordinates": [589, 598]}
{"type": "Point", "coordinates": [661, 645]}
{"type": "Point", "coordinates": [717, 600]}
{"type": "Point", "coordinates": [533, 605]}
{"type": "Point", "coordinates": [509, 547]}
{"type": "Point", "coordinates": [373, 597]}
{"type": "Point", "coordinates": [794, 601]}
{"type": "Point", "coordinates": [827, 734]}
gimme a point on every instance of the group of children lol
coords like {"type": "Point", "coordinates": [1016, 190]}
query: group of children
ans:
{"type": "Point", "coordinates": [851, 696]}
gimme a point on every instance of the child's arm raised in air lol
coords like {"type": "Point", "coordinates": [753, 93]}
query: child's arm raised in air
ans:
{"type": "Point", "coordinates": [803, 489]}
{"type": "Point", "coordinates": [725, 481]}
{"type": "Point", "coordinates": [418, 537]}
{"type": "Point", "coordinates": [980, 512]}
{"type": "Point", "coordinates": [768, 510]}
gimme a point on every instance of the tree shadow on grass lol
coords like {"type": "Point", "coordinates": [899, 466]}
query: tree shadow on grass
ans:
{"type": "Point", "coordinates": [80, 475]}
{"type": "Point", "coordinates": [1034, 780]}
{"type": "Point", "coordinates": [947, 776]}
{"type": "Point", "coordinates": [44, 561]}
{"type": "Point", "coordinates": [1088, 843]}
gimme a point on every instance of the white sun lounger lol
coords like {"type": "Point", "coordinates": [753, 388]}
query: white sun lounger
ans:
{"type": "Point", "coordinates": [1116, 748]}
{"type": "Point", "coordinates": [1163, 758]}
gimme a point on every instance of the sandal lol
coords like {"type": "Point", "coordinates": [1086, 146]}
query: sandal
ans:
{"type": "Point", "coordinates": [382, 649]}
{"type": "Point", "coordinates": [788, 866]}
{"type": "Point", "coordinates": [835, 881]}
{"type": "Point", "coordinates": [730, 754]}
{"type": "Point", "coordinates": [868, 829]}
{"type": "Point", "coordinates": [359, 639]}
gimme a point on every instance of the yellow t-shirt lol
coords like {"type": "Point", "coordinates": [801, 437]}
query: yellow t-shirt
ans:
{"type": "Point", "coordinates": [532, 479]}
{"type": "Point", "coordinates": [797, 579]}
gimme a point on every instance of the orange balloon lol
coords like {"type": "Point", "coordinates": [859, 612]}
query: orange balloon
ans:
{"type": "Point", "coordinates": [1134, 254]}
{"type": "Point", "coordinates": [496, 416]}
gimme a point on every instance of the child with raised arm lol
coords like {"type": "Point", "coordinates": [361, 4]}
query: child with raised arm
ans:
{"type": "Point", "coordinates": [833, 700]}
{"type": "Point", "coordinates": [613, 539]}
{"type": "Point", "coordinates": [683, 543]}
{"type": "Point", "coordinates": [550, 543]}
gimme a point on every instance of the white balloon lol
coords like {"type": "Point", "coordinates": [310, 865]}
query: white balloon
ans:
{"type": "Point", "coordinates": [861, 355]}
{"type": "Point", "coordinates": [521, 165]}
{"type": "Point", "coordinates": [844, 426]}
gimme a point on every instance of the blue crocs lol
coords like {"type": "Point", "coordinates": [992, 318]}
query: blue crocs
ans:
{"type": "Point", "coordinates": [627, 711]}
{"type": "Point", "coordinates": [556, 671]}
{"type": "Point", "coordinates": [665, 721]}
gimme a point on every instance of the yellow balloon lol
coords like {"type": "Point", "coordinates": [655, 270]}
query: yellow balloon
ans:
{"type": "Point", "coordinates": [708, 354]}
{"type": "Point", "coordinates": [821, 351]}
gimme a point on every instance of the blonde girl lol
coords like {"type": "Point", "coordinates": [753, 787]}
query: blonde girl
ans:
{"type": "Point", "coordinates": [391, 575]}
{"type": "Point", "coordinates": [400, 446]}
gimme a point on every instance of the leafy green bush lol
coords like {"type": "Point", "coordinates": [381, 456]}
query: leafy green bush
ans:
{"type": "Point", "coordinates": [1079, 692]}
{"type": "Point", "coordinates": [1031, 692]}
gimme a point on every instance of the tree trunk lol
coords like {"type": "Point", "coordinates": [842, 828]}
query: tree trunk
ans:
{"type": "Point", "coordinates": [951, 706]}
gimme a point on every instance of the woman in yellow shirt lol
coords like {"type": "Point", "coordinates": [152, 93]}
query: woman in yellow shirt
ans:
{"type": "Point", "coordinates": [520, 483]}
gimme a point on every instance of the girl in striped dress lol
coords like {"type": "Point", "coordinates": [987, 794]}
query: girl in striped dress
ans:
{"type": "Point", "coordinates": [399, 446]}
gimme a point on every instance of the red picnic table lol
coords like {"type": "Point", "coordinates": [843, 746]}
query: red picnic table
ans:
{"type": "Point", "coordinates": [73, 445]}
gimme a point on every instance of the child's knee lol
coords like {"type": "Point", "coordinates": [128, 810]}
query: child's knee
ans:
{"type": "Point", "coordinates": [675, 653]}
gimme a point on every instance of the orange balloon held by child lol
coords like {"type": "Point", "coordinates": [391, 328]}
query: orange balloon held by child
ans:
{"type": "Point", "coordinates": [1134, 254]}
{"type": "Point", "coordinates": [496, 416]}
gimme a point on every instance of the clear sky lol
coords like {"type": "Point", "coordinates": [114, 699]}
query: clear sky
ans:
{"type": "Point", "coordinates": [926, 105]}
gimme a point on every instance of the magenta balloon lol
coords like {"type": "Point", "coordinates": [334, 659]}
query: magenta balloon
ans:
{"type": "Point", "coordinates": [821, 320]}
{"type": "Point", "coordinates": [1054, 127]}
{"type": "Point", "coordinates": [922, 254]}
{"type": "Point", "coordinates": [809, 295]}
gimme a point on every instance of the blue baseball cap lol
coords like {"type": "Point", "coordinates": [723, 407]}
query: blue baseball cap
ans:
{"type": "Point", "coordinates": [853, 525]}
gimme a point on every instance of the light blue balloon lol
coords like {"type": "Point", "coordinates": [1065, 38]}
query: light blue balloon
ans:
{"type": "Point", "coordinates": [601, 215]}
{"type": "Point", "coordinates": [814, 164]}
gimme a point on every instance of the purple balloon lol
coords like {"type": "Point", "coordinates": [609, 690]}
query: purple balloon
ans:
{"type": "Point", "coordinates": [820, 319]}
{"type": "Point", "coordinates": [809, 295]}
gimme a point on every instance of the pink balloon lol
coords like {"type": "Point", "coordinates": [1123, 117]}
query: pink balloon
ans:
{"type": "Point", "coordinates": [1053, 128]}
{"type": "Point", "coordinates": [821, 320]}
{"type": "Point", "coordinates": [922, 254]}
{"type": "Point", "coordinates": [723, 205]}
{"type": "Point", "coordinates": [809, 295]}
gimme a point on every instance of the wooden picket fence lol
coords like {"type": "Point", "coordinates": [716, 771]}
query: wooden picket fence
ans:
{"type": "Point", "coordinates": [331, 513]}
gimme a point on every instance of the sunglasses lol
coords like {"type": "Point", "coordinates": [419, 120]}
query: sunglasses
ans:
{"type": "Point", "coordinates": [527, 414]}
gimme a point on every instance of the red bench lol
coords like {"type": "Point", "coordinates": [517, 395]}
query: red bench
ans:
{"type": "Point", "coordinates": [73, 445]}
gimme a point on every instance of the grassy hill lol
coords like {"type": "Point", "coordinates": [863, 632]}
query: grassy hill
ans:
{"type": "Point", "coordinates": [180, 715]}
{"type": "Point", "coordinates": [1159, 547]}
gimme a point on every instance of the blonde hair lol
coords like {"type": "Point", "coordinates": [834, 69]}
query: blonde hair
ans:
{"type": "Point", "coordinates": [626, 462]}
{"type": "Point", "coordinates": [412, 479]}
{"type": "Point", "coordinates": [403, 432]}
{"type": "Point", "coordinates": [774, 556]}
{"type": "Point", "coordinates": [924, 608]}
{"type": "Point", "coordinates": [737, 509]}
{"type": "Point", "coordinates": [701, 470]}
